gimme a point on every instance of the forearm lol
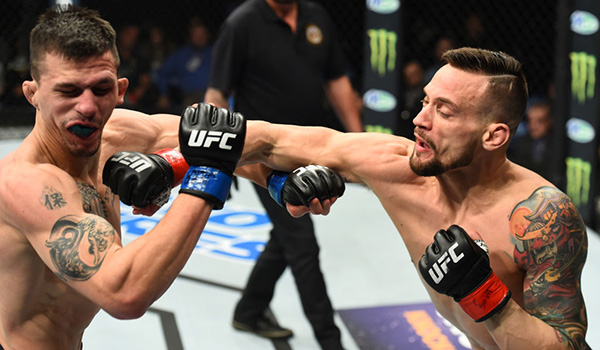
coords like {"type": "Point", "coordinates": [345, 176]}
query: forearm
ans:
{"type": "Point", "coordinates": [514, 329]}
{"type": "Point", "coordinates": [287, 147]}
{"type": "Point", "coordinates": [256, 173]}
{"type": "Point", "coordinates": [142, 270]}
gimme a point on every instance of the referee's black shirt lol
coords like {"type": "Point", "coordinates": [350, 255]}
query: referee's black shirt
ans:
{"type": "Point", "coordinates": [277, 75]}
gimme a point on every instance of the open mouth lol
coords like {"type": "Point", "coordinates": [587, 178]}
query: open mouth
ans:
{"type": "Point", "coordinates": [421, 144]}
{"type": "Point", "coordinates": [81, 130]}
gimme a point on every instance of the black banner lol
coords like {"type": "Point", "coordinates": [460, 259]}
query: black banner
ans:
{"type": "Point", "coordinates": [382, 70]}
{"type": "Point", "coordinates": [583, 107]}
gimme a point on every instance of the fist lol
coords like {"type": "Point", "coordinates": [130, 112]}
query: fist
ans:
{"type": "Point", "coordinates": [212, 137]}
{"type": "Point", "coordinates": [304, 184]}
{"type": "Point", "coordinates": [138, 179]}
{"type": "Point", "coordinates": [457, 266]}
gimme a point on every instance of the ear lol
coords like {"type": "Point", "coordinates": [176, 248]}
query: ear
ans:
{"type": "Point", "coordinates": [30, 88]}
{"type": "Point", "coordinates": [495, 136]}
{"type": "Point", "coordinates": [122, 84]}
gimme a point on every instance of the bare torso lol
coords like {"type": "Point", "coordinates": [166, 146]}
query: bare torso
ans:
{"type": "Point", "coordinates": [38, 310]}
{"type": "Point", "coordinates": [420, 211]}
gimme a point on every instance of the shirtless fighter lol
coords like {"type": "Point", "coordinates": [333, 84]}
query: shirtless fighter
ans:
{"type": "Point", "coordinates": [61, 256]}
{"type": "Point", "coordinates": [526, 293]}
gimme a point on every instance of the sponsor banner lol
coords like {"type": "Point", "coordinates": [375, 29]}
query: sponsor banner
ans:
{"type": "Point", "coordinates": [382, 70]}
{"type": "Point", "coordinates": [415, 327]}
{"type": "Point", "coordinates": [583, 107]}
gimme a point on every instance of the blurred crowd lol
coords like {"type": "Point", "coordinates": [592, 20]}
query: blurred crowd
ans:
{"type": "Point", "coordinates": [162, 77]}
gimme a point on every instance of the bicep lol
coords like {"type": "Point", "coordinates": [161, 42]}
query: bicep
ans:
{"type": "Point", "coordinates": [551, 249]}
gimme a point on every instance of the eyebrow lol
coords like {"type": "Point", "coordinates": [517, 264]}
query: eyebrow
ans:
{"type": "Point", "coordinates": [70, 85]}
{"type": "Point", "coordinates": [443, 100]}
{"type": "Point", "coordinates": [447, 102]}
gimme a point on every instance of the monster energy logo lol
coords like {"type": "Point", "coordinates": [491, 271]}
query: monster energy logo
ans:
{"type": "Point", "coordinates": [579, 173]}
{"type": "Point", "coordinates": [583, 75]}
{"type": "Point", "coordinates": [378, 128]}
{"type": "Point", "coordinates": [383, 50]}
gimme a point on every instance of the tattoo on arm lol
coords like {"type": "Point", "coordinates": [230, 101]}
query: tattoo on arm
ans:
{"type": "Point", "coordinates": [78, 246]}
{"type": "Point", "coordinates": [52, 199]}
{"type": "Point", "coordinates": [551, 247]}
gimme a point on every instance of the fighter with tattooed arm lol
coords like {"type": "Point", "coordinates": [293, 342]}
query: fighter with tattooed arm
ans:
{"type": "Point", "coordinates": [61, 256]}
{"type": "Point", "coordinates": [455, 180]}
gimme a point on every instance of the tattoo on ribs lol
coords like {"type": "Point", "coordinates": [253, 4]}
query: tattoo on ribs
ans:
{"type": "Point", "coordinates": [52, 199]}
{"type": "Point", "coordinates": [551, 247]}
{"type": "Point", "coordinates": [78, 246]}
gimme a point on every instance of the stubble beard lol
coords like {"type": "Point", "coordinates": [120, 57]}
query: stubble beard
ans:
{"type": "Point", "coordinates": [436, 167]}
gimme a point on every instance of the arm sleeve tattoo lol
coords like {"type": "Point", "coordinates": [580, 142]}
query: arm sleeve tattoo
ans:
{"type": "Point", "coordinates": [551, 248]}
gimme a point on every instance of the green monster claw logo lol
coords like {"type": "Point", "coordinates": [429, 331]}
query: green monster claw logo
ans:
{"type": "Point", "coordinates": [583, 75]}
{"type": "Point", "coordinates": [383, 50]}
{"type": "Point", "coordinates": [579, 174]}
{"type": "Point", "coordinates": [378, 128]}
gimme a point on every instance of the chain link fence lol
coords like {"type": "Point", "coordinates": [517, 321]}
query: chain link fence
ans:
{"type": "Point", "coordinates": [524, 29]}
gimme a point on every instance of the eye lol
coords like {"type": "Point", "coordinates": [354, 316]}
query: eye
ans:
{"type": "Point", "coordinates": [101, 91]}
{"type": "Point", "coordinates": [444, 115]}
{"type": "Point", "coordinates": [70, 92]}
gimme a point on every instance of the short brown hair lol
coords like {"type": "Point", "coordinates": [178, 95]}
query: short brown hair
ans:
{"type": "Point", "coordinates": [507, 89]}
{"type": "Point", "coordinates": [75, 32]}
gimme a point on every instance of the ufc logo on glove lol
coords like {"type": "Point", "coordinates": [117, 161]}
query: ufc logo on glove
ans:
{"type": "Point", "coordinates": [202, 138]}
{"type": "Point", "coordinates": [440, 268]}
{"type": "Point", "coordinates": [132, 160]}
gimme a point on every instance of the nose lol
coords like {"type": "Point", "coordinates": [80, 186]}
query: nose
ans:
{"type": "Point", "coordinates": [86, 103]}
{"type": "Point", "coordinates": [422, 119]}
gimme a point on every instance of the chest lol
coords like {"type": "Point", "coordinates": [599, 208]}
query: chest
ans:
{"type": "Point", "coordinates": [418, 217]}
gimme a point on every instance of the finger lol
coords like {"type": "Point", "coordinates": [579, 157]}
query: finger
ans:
{"type": "Point", "coordinates": [297, 210]}
{"type": "Point", "coordinates": [323, 207]}
{"type": "Point", "coordinates": [148, 210]}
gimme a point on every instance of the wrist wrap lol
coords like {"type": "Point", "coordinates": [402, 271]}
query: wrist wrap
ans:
{"type": "Point", "coordinates": [486, 300]}
{"type": "Point", "coordinates": [275, 182]}
{"type": "Point", "coordinates": [177, 162]}
{"type": "Point", "coordinates": [208, 183]}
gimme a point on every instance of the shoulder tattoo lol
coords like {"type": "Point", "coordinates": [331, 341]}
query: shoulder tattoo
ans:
{"type": "Point", "coordinates": [78, 246]}
{"type": "Point", "coordinates": [52, 199]}
{"type": "Point", "coordinates": [551, 248]}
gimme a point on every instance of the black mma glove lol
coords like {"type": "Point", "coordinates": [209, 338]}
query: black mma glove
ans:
{"type": "Point", "coordinates": [211, 140]}
{"type": "Point", "coordinates": [304, 184]}
{"type": "Point", "coordinates": [457, 266]}
{"type": "Point", "coordinates": [139, 179]}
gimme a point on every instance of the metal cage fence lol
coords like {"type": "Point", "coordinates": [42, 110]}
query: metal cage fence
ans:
{"type": "Point", "coordinates": [524, 29]}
